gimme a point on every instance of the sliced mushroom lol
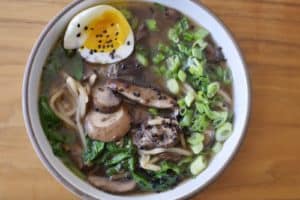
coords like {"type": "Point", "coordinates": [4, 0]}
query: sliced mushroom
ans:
{"type": "Point", "coordinates": [157, 133]}
{"type": "Point", "coordinates": [144, 95]}
{"type": "Point", "coordinates": [105, 100]}
{"type": "Point", "coordinates": [107, 127]}
{"type": "Point", "coordinates": [112, 186]}
{"type": "Point", "coordinates": [139, 114]}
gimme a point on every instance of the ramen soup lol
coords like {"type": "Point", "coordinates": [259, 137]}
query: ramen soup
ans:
{"type": "Point", "coordinates": [135, 97]}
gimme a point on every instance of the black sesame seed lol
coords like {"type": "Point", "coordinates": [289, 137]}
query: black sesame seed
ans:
{"type": "Point", "coordinates": [109, 41]}
{"type": "Point", "coordinates": [112, 24]}
{"type": "Point", "coordinates": [92, 29]}
{"type": "Point", "coordinates": [117, 33]}
{"type": "Point", "coordinates": [100, 35]}
{"type": "Point", "coordinates": [78, 25]}
{"type": "Point", "coordinates": [78, 35]}
{"type": "Point", "coordinates": [107, 36]}
{"type": "Point", "coordinates": [91, 52]}
{"type": "Point", "coordinates": [100, 41]}
{"type": "Point", "coordinates": [99, 46]}
{"type": "Point", "coordinates": [97, 110]}
{"type": "Point", "coordinates": [128, 43]}
{"type": "Point", "coordinates": [85, 28]}
{"type": "Point", "coordinates": [105, 31]}
{"type": "Point", "coordinates": [95, 51]}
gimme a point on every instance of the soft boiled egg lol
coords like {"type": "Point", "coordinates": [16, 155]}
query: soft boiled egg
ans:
{"type": "Point", "coordinates": [101, 34]}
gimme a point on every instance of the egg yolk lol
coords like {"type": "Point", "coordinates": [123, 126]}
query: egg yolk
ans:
{"type": "Point", "coordinates": [107, 32]}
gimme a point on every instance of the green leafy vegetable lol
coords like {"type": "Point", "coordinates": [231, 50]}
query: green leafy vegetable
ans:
{"type": "Point", "coordinates": [50, 124]}
{"type": "Point", "coordinates": [74, 66]}
{"type": "Point", "coordinates": [157, 182]}
{"type": "Point", "coordinates": [94, 148]}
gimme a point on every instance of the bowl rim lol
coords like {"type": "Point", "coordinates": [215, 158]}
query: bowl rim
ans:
{"type": "Point", "coordinates": [28, 123]}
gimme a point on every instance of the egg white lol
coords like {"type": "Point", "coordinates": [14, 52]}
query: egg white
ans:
{"type": "Point", "coordinates": [72, 41]}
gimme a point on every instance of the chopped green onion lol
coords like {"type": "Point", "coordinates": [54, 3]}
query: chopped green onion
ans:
{"type": "Point", "coordinates": [201, 34]}
{"type": "Point", "coordinates": [195, 138]}
{"type": "Point", "coordinates": [173, 86]}
{"type": "Point", "coordinates": [181, 75]}
{"type": "Point", "coordinates": [173, 63]}
{"type": "Point", "coordinates": [198, 165]}
{"type": "Point", "coordinates": [142, 59]}
{"type": "Point", "coordinates": [197, 52]}
{"type": "Point", "coordinates": [217, 147]}
{"type": "Point", "coordinates": [183, 49]}
{"type": "Point", "coordinates": [219, 118]}
{"type": "Point", "coordinates": [200, 107]}
{"type": "Point", "coordinates": [163, 48]}
{"type": "Point", "coordinates": [188, 36]}
{"type": "Point", "coordinates": [153, 111]}
{"type": "Point", "coordinates": [181, 103]}
{"type": "Point", "coordinates": [223, 132]}
{"type": "Point", "coordinates": [173, 35]}
{"type": "Point", "coordinates": [186, 121]}
{"type": "Point", "coordinates": [200, 98]}
{"type": "Point", "coordinates": [182, 25]}
{"type": "Point", "coordinates": [189, 98]}
{"type": "Point", "coordinates": [212, 89]}
{"type": "Point", "coordinates": [200, 123]}
{"type": "Point", "coordinates": [158, 58]}
{"type": "Point", "coordinates": [200, 44]}
{"type": "Point", "coordinates": [197, 148]}
{"type": "Point", "coordinates": [196, 68]}
{"type": "Point", "coordinates": [151, 24]}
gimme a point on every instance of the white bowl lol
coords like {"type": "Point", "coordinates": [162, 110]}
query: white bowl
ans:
{"type": "Point", "coordinates": [241, 96]}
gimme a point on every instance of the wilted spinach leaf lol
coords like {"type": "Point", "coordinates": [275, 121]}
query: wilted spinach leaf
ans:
{"type": "Point", "coordinates": [94, 148]}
